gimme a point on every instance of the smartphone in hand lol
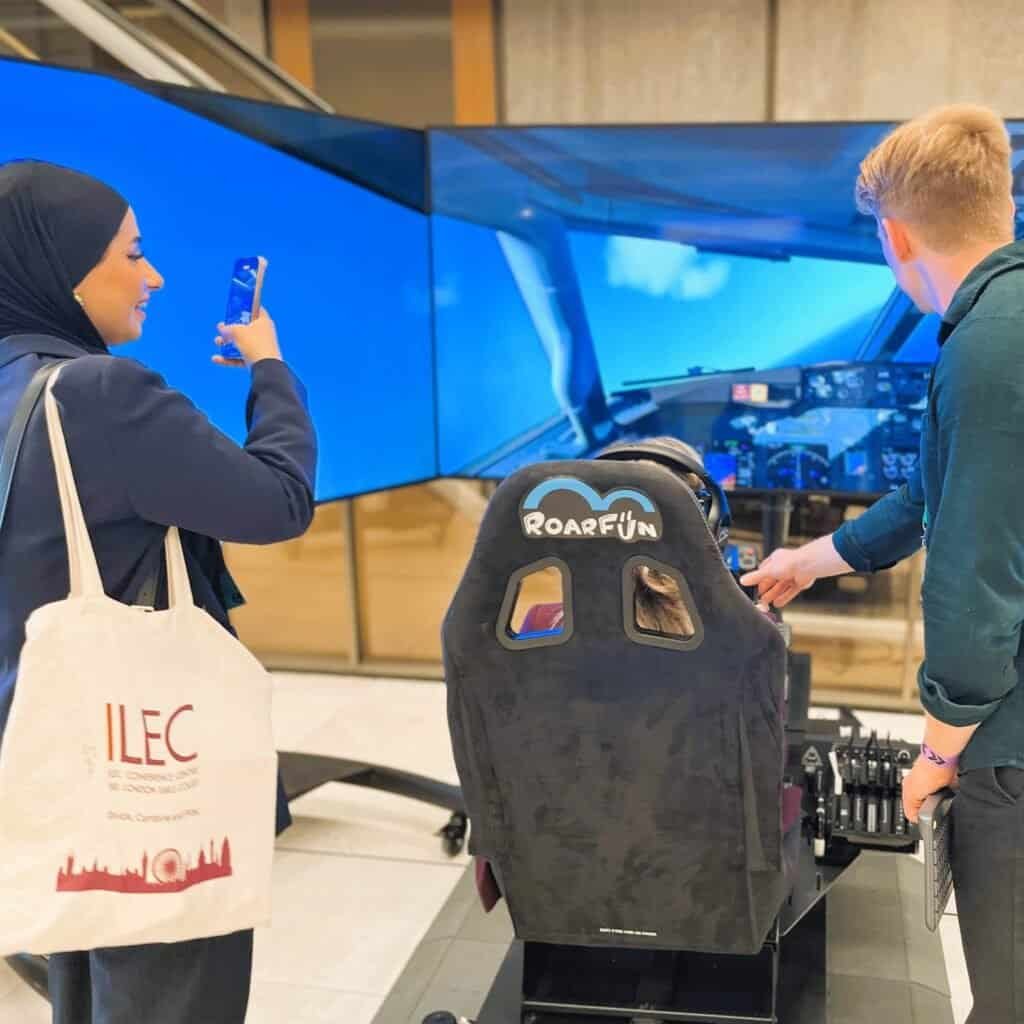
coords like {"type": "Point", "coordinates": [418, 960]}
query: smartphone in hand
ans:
{"type": "Point", "coordinates": [244, 296]}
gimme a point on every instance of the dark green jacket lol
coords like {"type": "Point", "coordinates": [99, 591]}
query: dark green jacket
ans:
{"type": "Point", "coordinates": [967, 504]}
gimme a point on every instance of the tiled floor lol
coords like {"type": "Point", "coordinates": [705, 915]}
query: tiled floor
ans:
{"type": "Point", "coordinates": [361, 877]}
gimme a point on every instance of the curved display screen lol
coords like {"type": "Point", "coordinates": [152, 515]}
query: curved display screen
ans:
{"type": "Point", "coordinates": [711, 282]}
{"type": "Point", "coordinates": [569, 287]}
{"type": "Point", "coordinates": [347, 283]}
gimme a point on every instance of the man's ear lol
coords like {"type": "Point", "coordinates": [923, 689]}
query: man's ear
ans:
{"type": "Point", "coordinates": [901, 243]}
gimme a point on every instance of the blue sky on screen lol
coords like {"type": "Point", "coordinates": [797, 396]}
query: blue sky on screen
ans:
{"type": "Point", "coordinates": [348, 282]}
{"type": "Point", "coordinates": [659, 309]}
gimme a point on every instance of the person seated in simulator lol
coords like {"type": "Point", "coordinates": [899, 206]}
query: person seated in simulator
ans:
{"type": "Point", "coordinates": [659, 606]}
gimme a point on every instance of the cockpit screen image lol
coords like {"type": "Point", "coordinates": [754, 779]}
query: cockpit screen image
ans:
{"type": "Point", "coordinates": [715, 283]}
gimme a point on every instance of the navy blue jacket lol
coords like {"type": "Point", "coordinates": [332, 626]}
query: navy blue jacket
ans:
{"type": "Point", "coordinates": [144, 458]}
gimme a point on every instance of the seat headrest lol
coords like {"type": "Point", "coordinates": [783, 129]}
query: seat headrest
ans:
{"type": "Point", "coordinates": [591, 509]}
{"type": "Point", "coordinates": [680, 458]}
{"type": "Point", "coordinates": [593, 517]}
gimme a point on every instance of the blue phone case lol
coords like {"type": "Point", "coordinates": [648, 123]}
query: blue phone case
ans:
{"type": "Point", "coordinates": [241, 299]}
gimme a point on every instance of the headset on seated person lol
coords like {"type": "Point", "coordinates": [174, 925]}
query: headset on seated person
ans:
{"type": "Point", "coordinates": [680, 458]}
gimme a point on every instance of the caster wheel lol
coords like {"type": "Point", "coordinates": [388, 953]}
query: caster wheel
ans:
{"type": "Point", "coordinates": [440, 1017]}
{"type": "Point", "coordinates": [453, 836]}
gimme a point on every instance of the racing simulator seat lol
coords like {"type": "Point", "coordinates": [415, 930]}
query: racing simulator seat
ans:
{"type": "Point", "coordinates": [627, 786]}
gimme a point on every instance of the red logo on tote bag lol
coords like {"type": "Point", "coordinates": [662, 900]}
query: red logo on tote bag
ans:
{"type": "Point", "coordinates": [168, 871]}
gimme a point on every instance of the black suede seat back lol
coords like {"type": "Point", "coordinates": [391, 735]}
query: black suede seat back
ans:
{"type": "Point", "coordinates": [627, 794]}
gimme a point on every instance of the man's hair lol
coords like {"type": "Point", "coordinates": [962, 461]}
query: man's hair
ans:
{"type": "Point", "coordinates": [947, 174]}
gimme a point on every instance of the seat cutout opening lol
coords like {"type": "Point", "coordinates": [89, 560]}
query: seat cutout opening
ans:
{"type": "Point", "coordinates": [658, 606]}
{"type": "Point", "coordinates": [537, 610]}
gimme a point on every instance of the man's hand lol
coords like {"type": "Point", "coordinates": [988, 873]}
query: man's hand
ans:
{"type": "Point", "coordinates": [780, 577]}
{"type": "Point", "coordinates": [787, 572]}
{"type": "Point", "coordinates": [924, 779]}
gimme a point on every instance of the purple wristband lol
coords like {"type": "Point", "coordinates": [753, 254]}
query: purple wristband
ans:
{"type": "Point", "coordinates": [937, 759]}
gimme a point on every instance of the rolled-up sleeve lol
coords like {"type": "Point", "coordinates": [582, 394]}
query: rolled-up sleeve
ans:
{"type": "Point", "coordinates": [973, 591]}
{"type": "Point", "coordinates": [889, 531]}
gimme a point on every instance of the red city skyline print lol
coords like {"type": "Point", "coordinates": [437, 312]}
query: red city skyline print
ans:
{"type": "Point", "coordinates": [167, 871]}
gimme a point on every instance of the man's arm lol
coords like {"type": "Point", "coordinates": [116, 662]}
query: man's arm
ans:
{"type": "Point", "coordinates": [971, 597]}
{"type": "Point", "coordinates": [937, 767]}
{"type": "Point", "coordinates": [788, 571]}
{"type": "Point", "coordinates": [887, 532]}
{"type": "Point", "coordinates": [973, 590]}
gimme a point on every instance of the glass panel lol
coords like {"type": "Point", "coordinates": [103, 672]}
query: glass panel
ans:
{"type": "Point", "coordinates": [869, 665]}
{"type": "Point", "coordinates": [296, 592]}
{"type": "Point", "coordinates": [856, 630]}
{"type": "Point", "coordinates": [386, 60]}
{"type": "Point", "coordinates": [539, 607]}
{"type": "Point", "coordinates": [412, 546]}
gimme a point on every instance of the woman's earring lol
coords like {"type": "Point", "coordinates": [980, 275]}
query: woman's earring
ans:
{"type": "Point", "coordinates": [79, 299]}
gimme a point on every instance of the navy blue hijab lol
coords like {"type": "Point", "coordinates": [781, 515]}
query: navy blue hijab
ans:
{"type": "Point", "coordinates": [55, 226]}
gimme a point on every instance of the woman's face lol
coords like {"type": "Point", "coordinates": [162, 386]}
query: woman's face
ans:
{"type": "Point", "coordinates": [115, 292]}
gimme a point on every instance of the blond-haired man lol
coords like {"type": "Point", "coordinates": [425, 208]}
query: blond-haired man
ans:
{"type": "Point", "coordinates": [940, 190]}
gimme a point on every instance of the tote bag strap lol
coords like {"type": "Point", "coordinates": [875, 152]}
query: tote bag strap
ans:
{"type": "Point", "coordinates": [16, 432]}
{"type": "Point", "coordinates": [83, 570]}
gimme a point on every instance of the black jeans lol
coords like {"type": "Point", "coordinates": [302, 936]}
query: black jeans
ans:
{"type": "Point", "coordinates": [988, 870]}
{"type": "Point", "coordinates": [200, 982]}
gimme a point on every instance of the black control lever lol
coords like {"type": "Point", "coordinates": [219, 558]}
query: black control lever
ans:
{"type": "Point", "coordinates": [871, 771]}
{"type": "Point", "coordinates": [886, 778]}
{"type": "Point", "coordinates": [859, 804]}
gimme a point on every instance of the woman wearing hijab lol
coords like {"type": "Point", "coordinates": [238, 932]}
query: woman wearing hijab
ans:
{"type": "Point", "coordinates": [74, 282]}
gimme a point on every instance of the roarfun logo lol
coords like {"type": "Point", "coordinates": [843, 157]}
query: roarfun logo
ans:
{"type": "Point", "coordinates": [569, 508]}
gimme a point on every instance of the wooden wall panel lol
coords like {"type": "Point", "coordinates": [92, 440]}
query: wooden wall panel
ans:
{"type": "Point", "coordinates": [412, 547]}
{"type": "Point", "coordinates": [384, 60]}
{"type": "Point", "coordinates": [296, 592]}
{"type": "Point", "coordinates": [291, 41]}
{"type": "Point", "coordinates": [474, 71]}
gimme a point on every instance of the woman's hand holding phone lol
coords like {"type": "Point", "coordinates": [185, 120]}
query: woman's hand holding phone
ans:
{"type": "Point", "coordinates": [256, 341]}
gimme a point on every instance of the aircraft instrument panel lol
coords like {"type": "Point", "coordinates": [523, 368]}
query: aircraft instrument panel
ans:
{"type": "Point", "coordinates": [850, 427]}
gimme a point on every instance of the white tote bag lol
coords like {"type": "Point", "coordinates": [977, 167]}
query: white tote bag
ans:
{"type": "Point", "coordinates": [137, 772]}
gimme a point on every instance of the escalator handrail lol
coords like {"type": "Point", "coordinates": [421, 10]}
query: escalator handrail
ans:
{"type": "Point", "coordinates": [147, 55]}
{"type": "Point", "coordinates": [198, 76]}
{"type": "Point", "coordinates": [268, 67]}
{"type": "Point", "coordinates": [118, 37]}
{"type": "Point", "coordinates": [14, 44]}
